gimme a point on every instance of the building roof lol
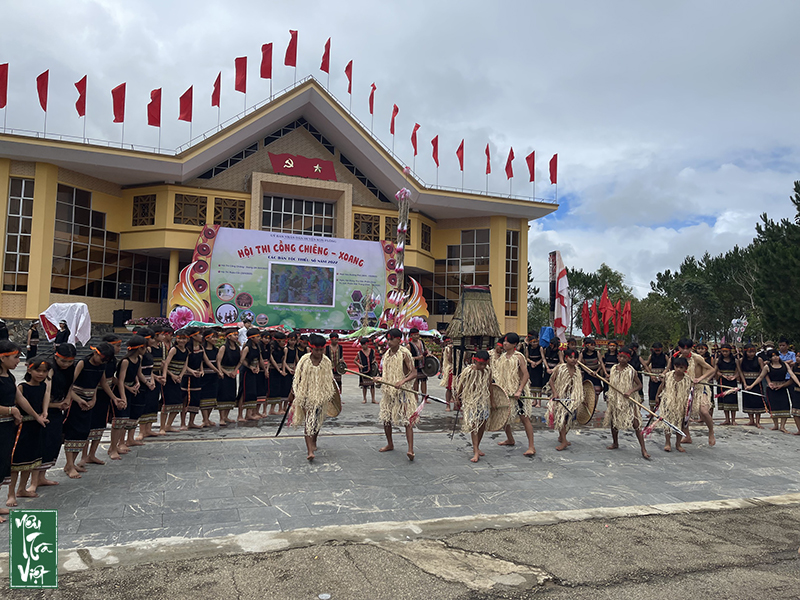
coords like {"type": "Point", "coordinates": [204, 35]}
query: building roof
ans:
{"type": "Point", "coordinates": [309, 100]}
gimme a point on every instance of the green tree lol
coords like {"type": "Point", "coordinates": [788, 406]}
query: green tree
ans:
{"type": "Point", "coordinates": [694, 296]}
{"type": "Point", "coordinates": [655, 318]}
{"type": "Point", "coordinates": [777, 278]}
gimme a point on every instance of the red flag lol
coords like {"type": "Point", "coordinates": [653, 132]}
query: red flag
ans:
{"type": "Point", "coordinates": [186, 105]}
{"type": "Point", "coordinates": [531, 159]}
{"type": "Point", "coordinates": [586, 319]}
{"type": "Point", "coordinates": [618, 317]}
{"type": "Point", "coordinates": [372, 99]}
{"type": "Point", "coordinates": [460, 155]}
{"type": "Point", "coordinates": [325, 66]}
{"type": "Point", "coordinates": [488, 160]}
{"type": "Point", "coordinates": [595, 317]}
{"type": "Point", "coordinates": [290, 60]}
{"type": "Point", "coordinates": [154, 109]}
{"type": "Point", "coordinates": [435, 144]}
{"type": "Point", "coordinates": [606, 308]}
{"type": "Point", "coordinates": [118, 102]}
{"type": "Point", "coordinates": [509, 166]}
{"type": "Point", "coordinates": [554, 169]}
{"type": "Point", "coordinates": [42, 82]}
{"type": "Point", "coordinates": [266, 61]}
{"type": "Point", "coordinates": [301, 166]}
{"type": "Point", "coordinates": [80, 105]}
{"type": "Point", "coordinates": [395, 110]}
{"type": "Point", "coordinates": [348, 70]}
{"type": "Point", "coordinates": [414, 137]}
{"type": "Point", "coordinates": [240, 83]}
{"type": "Point", "coordinates": [626, 318]}
{"type": "Point", "coordinates": [3, 85]}
{"type": "Point", "coordinates": [215, 93]}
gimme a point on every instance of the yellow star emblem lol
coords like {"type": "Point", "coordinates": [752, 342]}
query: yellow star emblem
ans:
{"type": "Point", "coordinates": [317, 169]}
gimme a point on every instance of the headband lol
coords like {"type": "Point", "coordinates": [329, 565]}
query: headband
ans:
{"type": "Point", "coordinates": [65, 357]}
{"type": "Point", "coordinates": [255, 335]}
{"type": "Point", "coordinates": [208, 335]}
{"type": "Point", "coordinates": [480, 360]}
{"type": "Point", "coordinates": [147, 337]}
{"type": "Point", "coordinates": [12, 353]}
{"type": "Point", "coordinates": [115, 343]}
{"type": "Point", "coordinates": [230, 333]}
{"type": "Point", "coordinates": [628, 354]}
{"type": "Point", "coordinates": [182, 336]}
{"type": "Point", "coordinates": [135, 347]}
{"type": "Point", "coordinates": [35, 365]}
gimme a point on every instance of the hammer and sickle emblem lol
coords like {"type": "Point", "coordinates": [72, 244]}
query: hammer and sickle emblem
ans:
{"type": "Point", "coordinates": [288, 164]}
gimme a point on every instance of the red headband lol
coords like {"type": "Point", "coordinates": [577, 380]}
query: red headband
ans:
{"type": "Point", "coordinates": [476, 359]}
{"type": "Point", "coordinates": [65, 357]}
{"type": "Point", "coordinates": [12, 353]}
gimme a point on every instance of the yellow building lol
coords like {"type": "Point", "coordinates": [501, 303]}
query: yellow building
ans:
{"type": "Point", "coordinates": [83, 218]}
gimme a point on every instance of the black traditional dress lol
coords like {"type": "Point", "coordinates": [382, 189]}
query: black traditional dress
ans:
{"type": "Point", "coordinates": [173, 395]}
{"type": "Point", "coordinates": [728, 379]}
{"type": "Point", "coordinates": [101, 413]}
{"type": "Point", "coordinates": [29, 442]}
{"type": "Point", "coordinates": [365, 360]}
{"type": "Point", "coordinates": [535, 374]}
{"type": "Point", "coordinates": [552, 356]}
{"type": "Point", "coordinates": [53, 434]}
{"type": "Point", "coordinates": [191, 386]}
{"type": "Point", "coordinates": [779, 404]}
{"type": "Point", "coordinates": [248, 386]}
{"type": "Point", "coordinates": [210, 382]}
{"type": "Point", "coordinates": [77, 421]}
{"type": "Point", "coordinates": [658, 363]}
{"type": "Point", "coordinates": [8, 397]}
{"type": "Point", "coordinates": [226, 398]}
{"type": "Point", "coordinates": [752, 404]}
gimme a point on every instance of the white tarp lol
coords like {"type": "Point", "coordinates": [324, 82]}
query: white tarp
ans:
{"type": "Point", "coordinates": [76, 314]}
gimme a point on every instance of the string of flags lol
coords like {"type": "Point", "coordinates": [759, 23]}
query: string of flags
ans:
{"type": "Point", "coordinates": [186, 102]}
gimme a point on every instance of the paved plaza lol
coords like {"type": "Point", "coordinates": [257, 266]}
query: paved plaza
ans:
{"type": "Point", "coordinates": [213, 483]}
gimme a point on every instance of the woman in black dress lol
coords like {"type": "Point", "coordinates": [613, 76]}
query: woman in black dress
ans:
{"type": "Point", "coordinates": [655, 365]}
{"type": "Point", "coordinates": [277, 372]}
{"type": "Point", "coordinates": [191, 385]}
{"type": "Point", "coordinates": [62, 336]}
{"type": "Point", "coordinates": [728, 376]}
{"type": "Point", "coordinates": [10, 415]}
{"type": "Point", "coordinates": [128, 387]}
{"type": "Point", "coordinates": [249, 368]}
{"type": "Point", "coordinates": [365, 359]}
{"type": "Point", "coordinates": [173, 369]}
{"type": "Point", "coordinates": [609, 360]}
{"type": "Point", "coordinates": [552, 358]}
{"type": "Point", "coordinates": [149, 389]}
{"type": "Point", "coordinates": [211, 374]}
{"type": "Point", "coordinates": [60, 390]}
{"type": "Point", "coordinates": [292, 356]}
{"type": "Point", "coordinates": [750, 366]}
{"type": "Point", "coordinates": [534, 356]}
{"type": "Point", "coordinates": [591, 358]}
{"type": "Point", "coordinates": [33, 339]}
{"type": "Point", "coordinates": [229, 356]}
{"type": "Point", "coordinates": [28, 443]}
{"type": "Point", "coordinates": [779, 377]}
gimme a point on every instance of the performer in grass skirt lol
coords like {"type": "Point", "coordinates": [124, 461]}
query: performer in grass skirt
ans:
{"type": "Point", "coordinates": [510, 372]}
{"type": "Point", "coordinates": [229, 356]}
{"type": "Point", "coordinates": [128, 386]}
{"type": "Point", "coordinates": [60, 390]}
{"type": "Point", "coordinates": [750, 366]}
{"type": "Point", "coordinates": [209, 386]}
{"type": "Point", "coordinates": [149, 389]}
{"type": "Point", "coordinates": [655, 365]}
{"type": "Point", "coordinates": [397, 406]}
{"type": "Point", "coordinates": [191, 385]}
{"type": "Point", "coordinates": [621, 412]}
{"type": "Point", "coordinates": [26, 456]}
{"type": "Point", "coordinates": [101, 412]}
{"type": "Point", "coordinates": [566, 384]}
{"type": "Point", "coordinates": [473, 390]}
{"type": "Point", "coordinates": [674, 392]}
{"type": "Point", "coordinates": [90, 373]}
{"type": "Point", "coordinates": [173, 369]}
{"type": "Point", "coordinates": [10, 415]}
{"type": "Point", "coordinates": [313, 388]}
{"type": "Point", "coordinates": [778, 377]}
{"type": "Point", "coordinates": [728, 376]}
{"type": "Point", "coordinates": [249, 369]}
{"type": "Point", "coordinates": [699, 370]}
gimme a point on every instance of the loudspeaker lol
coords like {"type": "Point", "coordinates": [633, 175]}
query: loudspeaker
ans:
{"type": "Point", "coordinates": [443, 307]}
{"type": "Point", "coordinates": [124, 291]}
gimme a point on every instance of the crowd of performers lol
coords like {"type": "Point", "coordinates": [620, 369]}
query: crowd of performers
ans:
{"type": "Point", "coordinates": [185, 375]}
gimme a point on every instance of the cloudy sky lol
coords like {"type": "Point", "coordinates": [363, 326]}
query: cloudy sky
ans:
{"type": "Point", "coordinates": [676, 123]}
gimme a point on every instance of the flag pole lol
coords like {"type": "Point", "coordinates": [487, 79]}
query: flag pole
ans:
{"type": "Point", "coordinates": [534, 189]}
{"type": "Point", "coordinates": [295, 72]}
{"type": "Point", "coordinates": [44, 134]}
{"type": "Point", "coordinates": [437, 176]}
{"type": "Point", "coordinates": [218, 117]}
{"type": "Point", "coordinates": [510, 185]}
{"type": "Point", "coordinates": [245, 104]}
{"type": "Point", "coordinates": [159, 138]}
{"type": "Point", "coordinates": [414, 164]}
{"type": "Point", "coordinates": [122, 139]}
{"type": "Point", "coordinates": [5, 116]}
{"type": "Point", "coordinates": [393, 144]}
{"type": "Point", "coordinates": [462, 180]}
{"type": "Point", "coordinates": [371, 122]}
{"type": "Point", "coordinates": [190, 132]}
{"type": "Point", "coordinates": [487, 183]}
{"type": "Point", "coordinates": [270, 89]}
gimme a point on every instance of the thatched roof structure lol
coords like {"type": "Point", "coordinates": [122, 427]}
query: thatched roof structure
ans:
{"type": "Point", "coordinates": [475, 314]}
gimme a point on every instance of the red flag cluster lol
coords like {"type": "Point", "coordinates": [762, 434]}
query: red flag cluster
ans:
{"type": "Point", "coordinates": [609, 314]}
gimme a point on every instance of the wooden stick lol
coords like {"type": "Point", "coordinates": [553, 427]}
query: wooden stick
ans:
{"type": "Point", "coordinates": [410, 391]}
{"type": "Point", "coordinates": [624, 395]}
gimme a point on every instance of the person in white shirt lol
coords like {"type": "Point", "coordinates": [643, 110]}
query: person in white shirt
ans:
{"type": "Point", "coordinates": [246, 324]}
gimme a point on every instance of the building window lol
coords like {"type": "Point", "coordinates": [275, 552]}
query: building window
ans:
{"type": "Point", "coordinates": [87, 260]}
{"type": "Point", "coordinates": [512, 273]}
{"type": "Point", "coordinates": [390, 231]}
{"type": "Point", "coordinates": [466, 264]}
{"type": "Point", "coordinates": [425, 238]}
{"type": "Point", "coordinates": [229, 213]}
{"type": "Point", "coordinates": [306, 217]}
{"type": "Point", "coordinates": [366, 227]}
{"type": "Point", "coordinates": [19, 224]}
{"type": "Point", "coordinates": [190, 210]}
{"type": "Point", "coordinates": [144, 210]}
{"type": "Point", "coordinates": [226, 164]}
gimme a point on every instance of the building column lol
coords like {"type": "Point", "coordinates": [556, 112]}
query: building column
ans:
{"type": "Point", "coordinates": [174, 270]}
{"type": "Point", "coordinates": [522, 278]}
{"type": "Point", "coordinates": [41, 262]}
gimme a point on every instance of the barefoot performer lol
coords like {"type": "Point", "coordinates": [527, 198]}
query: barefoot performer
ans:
{"type": "Point", "coordinates": [622, 414]}
{"type": "Point", "coordinates": [10, 415]}
{"type": "Point", "coordinates": [779, 377]}
{"type": "Point", "coordinates": [566, 384]}
{"type": "Point", "coordinates": [510, 372]}
{"type": "Point", "coordinates": [750, 366]}
{"type": "Point", "coordinates": [313, 388]}
{"type": "Point", "coordinates": [699, 370]}
{"type": "Point", "coordinates": [473, 391]}
{"type": "Point", "coordinates": [229, 356]}
{"type": "Point", "coordinates": [674, 392]}
{"type": "Point", "coordinates": [397, 406]}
